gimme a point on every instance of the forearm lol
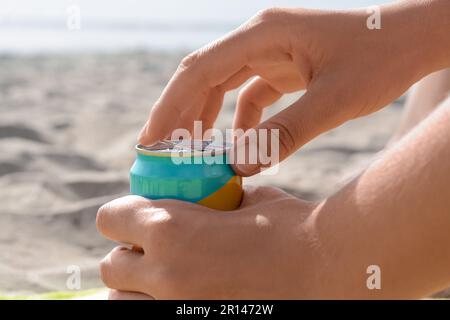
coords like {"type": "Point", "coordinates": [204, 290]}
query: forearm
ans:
{"type": "Point", "coordinates": [441, 17]}
{"type": "Point", "coordinates": [422, 29]}
{"type": "Point", "coordinates": [395, 215]}
{"type": "Point", "coordinates": [425, 28]}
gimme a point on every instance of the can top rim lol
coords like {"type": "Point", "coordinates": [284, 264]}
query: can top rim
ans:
{"type": "Point", "coordinates": [184, 148]}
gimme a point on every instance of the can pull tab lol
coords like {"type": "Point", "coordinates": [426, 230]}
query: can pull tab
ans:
{"type": "Point", "coordinates": [160, 145]}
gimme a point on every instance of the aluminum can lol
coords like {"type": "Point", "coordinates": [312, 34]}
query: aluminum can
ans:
{"type": "Point", "coordinates": [188, 170]}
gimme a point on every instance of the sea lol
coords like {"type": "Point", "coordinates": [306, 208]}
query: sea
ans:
{"type": "Point", "coordinates": [68, 26]}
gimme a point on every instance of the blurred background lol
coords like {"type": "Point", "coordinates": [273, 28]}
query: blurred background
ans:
{"type": "Point", "coordinates": [36, 27]}
{"type": "Point", "coordinates": [77, 80]}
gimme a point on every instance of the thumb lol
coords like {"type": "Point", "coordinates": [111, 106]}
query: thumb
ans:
{"type": "Point", "coordinates": [278, 137]}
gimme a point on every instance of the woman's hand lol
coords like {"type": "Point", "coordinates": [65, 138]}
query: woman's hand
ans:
{"type": "Point", "coordinates": [193, 252]}
{"type": "Point", "coordinates": [394, 216]}
{"type": "Point", "coordinates": [347, 70]}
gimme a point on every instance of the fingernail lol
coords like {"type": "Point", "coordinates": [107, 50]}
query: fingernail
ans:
{"type": "Point", "coordinates": [246, 170]}
{"type": "Point", "coordinates": [240, 158]}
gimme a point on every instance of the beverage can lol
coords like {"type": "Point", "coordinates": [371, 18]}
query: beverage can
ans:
{"type": "Point", "coordinates": [189, 170]}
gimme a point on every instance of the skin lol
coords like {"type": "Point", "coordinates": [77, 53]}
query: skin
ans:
{"type": "Point", "coordinates": [395, 214]}
{"type": "Point", "coordinates": [287, 50]}
{"type": "Point", "coordinates": [423, 99]}
{"type": "Point", "coordinates": [277, 246]}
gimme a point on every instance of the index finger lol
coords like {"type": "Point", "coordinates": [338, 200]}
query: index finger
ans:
{"type": "Point", "coordinates": [187, 91]}
{"type": "Point", "coordinates": [123, 219]}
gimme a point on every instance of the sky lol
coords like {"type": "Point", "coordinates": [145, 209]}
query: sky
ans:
{"type": "Point", "coordinates": [40, 25]}
{"type": "Point", "coordinates": [175, 10]}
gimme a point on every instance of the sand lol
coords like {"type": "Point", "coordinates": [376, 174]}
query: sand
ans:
{"type": "Point", "coordinates": [68, 125]}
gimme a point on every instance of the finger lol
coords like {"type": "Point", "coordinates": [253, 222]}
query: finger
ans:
{"type": "Point", "coordinates": [314, 113]}
{"type": "Point", "coordinates": [207, 68]}
{"type": "Point", "coordinates": [125, 270]}
{"type": "Point", "coordinates": [127, 295]}
{"type": "Point", "coordinates": [206, 120]}
{"type": "Point", "coordinates": [253, 98]}
{"type": "Point", "coordinates": [213, 104]}
{"type": "Point", "coordinates": [255, 195]}
{"type": "Point", "coordinates": [210, 113]}
{"type": "Point", "coordinates": [215, 101]}
{"type": "Point", "coordinates": [237, 79]}
{"type": "Point", "coordinates": [124, 219]}
{"type": "Point", "coordinates": [186, 119]}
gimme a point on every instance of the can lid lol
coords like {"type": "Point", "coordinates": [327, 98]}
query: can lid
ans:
{"type": "Point", "coordinates": [184, 148]}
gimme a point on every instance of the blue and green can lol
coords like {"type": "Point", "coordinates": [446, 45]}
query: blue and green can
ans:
{"type": "Point", "coordinates": [187, 170]}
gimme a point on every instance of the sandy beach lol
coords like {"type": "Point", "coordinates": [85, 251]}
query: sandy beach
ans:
{"type": "Point", "coordinates": [68, 125]}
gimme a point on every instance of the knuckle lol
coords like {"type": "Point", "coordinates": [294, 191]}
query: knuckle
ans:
{"type": "Point", "coordinates": [108, 269]}
{"type": "Point", "coordinates": [123, 205]}
{"type": "Point", "coordinates": [100, 220]}
{"type": "Point", "coordinates": [163, 225]}
{"type": "Point", "coordinates": [268, 14]}
{"type": "Point", "coordinates": [192, 64]}
{"type": "Point", "coordinates": [287, 134]}
{"type": "Point", "coordinates": [105, 272]}
{"type": "Point", "coordinates": [169, 230]}
{"type": "Point", "coordinates": [270, 22]}
{"type": "Point", "coordinates": [190, 61]}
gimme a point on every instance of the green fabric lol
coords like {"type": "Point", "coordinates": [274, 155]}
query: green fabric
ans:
{"type": "Point", "coordinates": [58, 295]}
